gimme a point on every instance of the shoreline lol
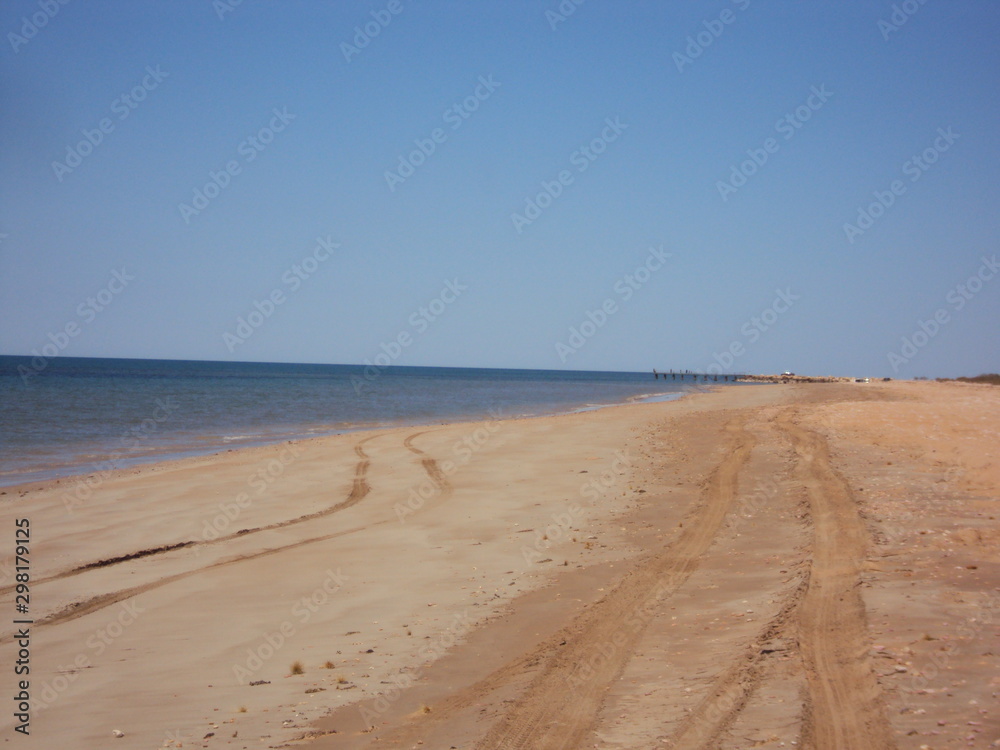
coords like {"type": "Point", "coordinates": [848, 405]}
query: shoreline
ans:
{"type": "Point", "coordinates": [75, 472]}
{"type": "Point", "coordinates": [163, 409]}
{"type": "Point", "coordinates": [501, 544]}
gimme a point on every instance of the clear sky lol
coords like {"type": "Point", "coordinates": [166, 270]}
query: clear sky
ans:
{"type": "Point", "coordinates": [478, 180]}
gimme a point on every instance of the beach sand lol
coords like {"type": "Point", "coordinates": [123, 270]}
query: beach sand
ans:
{"type": "Point", "coordinates": [757, 566]}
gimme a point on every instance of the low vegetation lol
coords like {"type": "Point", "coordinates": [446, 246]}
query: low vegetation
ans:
{"type": "Point", "coordinates": [988, 378]}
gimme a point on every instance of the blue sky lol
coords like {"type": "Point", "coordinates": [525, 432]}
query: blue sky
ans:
{"type": "Point", "coordinates": [763, 268]}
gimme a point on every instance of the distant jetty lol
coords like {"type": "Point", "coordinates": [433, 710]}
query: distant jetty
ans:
{"type": "Point", "coordinates": [698, 377]}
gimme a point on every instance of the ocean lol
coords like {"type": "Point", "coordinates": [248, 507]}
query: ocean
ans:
{"type": "Point", "coordinates": [69, 415]}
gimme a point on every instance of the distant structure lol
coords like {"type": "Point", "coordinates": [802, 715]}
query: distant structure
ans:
{"type": "Point", "coordinates": [695, 376]}
{"type": "Point", "coordinates": [784, 377]}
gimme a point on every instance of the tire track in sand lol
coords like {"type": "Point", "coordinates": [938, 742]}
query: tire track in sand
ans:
{"type": "Point", "coordinates": [99, 602]}
{"type": "Point", "coordinates": [359, 490]}
{"type": "Point", "coordinates": [560, 704]}
{"type": "Point", "coordinates": [430, 465]}
{"type": "Point", "coordinates": [845, 708]}
{"type": "Point", "coordinates": [704, 726]}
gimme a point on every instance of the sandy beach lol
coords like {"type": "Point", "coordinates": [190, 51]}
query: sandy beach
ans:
{"type": "Point", "coordinates": [798, 565]}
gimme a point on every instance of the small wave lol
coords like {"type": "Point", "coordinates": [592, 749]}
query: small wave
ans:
{"type": "Point", "coordinates": [649, 398]}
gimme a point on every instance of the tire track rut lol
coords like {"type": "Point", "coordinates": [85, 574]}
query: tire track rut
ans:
{"type": "Point", "coordinates": [99, 602]}
{"type": "Point", "coordinates": [826, 618]}
{"type": "Point", "coordinates": [430, 465]}
{"type": "Point", "coordinates": [845, 708]}
{"type": "Point", "coordinates": [562, 702]}
{"type": "Point", "coordinates": [359, 490]}
{"type": "Point", "coordinates": [823, 616]}
{"type": "Point", "coordinates": [704, 727]}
